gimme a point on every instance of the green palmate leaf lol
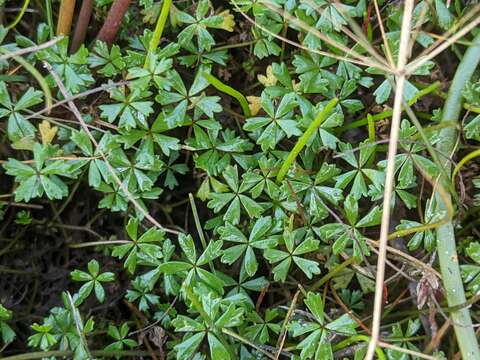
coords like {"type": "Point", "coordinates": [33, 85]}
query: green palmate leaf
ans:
{"type": "Point", "coordinates": [236, 198]}
{"type": "Point", "coordinates": [215, 314]}
{"type": "Point", "coordinates": [18, 128]}
{"type": "Point", "coordinates": [216, 149]}
{"type": "Point", "coordinates": [316, 344]}
{"type": "Point", "coordinates": [93, 281]}
{"type": "Point", "coordinates": [349, 235]}
{"type": "Point", "coordinates": [130, 110]}
{"type": "Point", "coordinates": [119, 334]}
{"type": "Point", "coordinates": [360, 175]}
{"type": "Point", "coordinates": [259, 239]}
{"type": "Point", "coordinates": [109, 62]}
{"type": "Point", "coordinates": [154, 74]}
{"type": "Point", "coordinates": [142, 293]}
{"type": "Point", "coordinates": [6, 332]}
{"type": "Point", "coordinates": [398, 333]}
{"type": "Point", "coordinates": [191, 270]}
{"type": "Point", "coordinates": [177, 100]}
{"type": "Point", "coordinates": [471, 272]}
{"type": "Point", "coordinates": [72, 69]}
{"type": "Point", "coordinates": [141, 248]}
{"type": "Point", "coordinates": [293, 253]}
{"type": "Point", "coordinates": [43, 177]}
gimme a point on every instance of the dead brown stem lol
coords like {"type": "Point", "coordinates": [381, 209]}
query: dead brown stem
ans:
{"type": "Point", "coordinates": [82, 25]}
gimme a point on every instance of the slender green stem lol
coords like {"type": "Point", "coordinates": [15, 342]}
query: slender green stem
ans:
{"type": "Point", "coordinates": [48, 6]}
{"type": "Point", "coordinates": [359, 338]}
{"type": "Point", "coordinates": [198, 225]}
{"type": "Point", "coordinates": [431, 151]}
{"type": "Point", "coordinates": [234, 46]}
{"type": "Point", "coordinates": [371, 128]}
{"type": "Point", "coordinates": [98, 243]}
{"type": "Point", "coordinates": [197, 221]}
{"type": "Point", "coordinates": [157, 34]}
{"type": "Point", "coordinates": [388, 113]}
{"type": "Point", "coordinates": [65, 353]}
{"type": "Point", "coordinates": [19, 16]}
{"type": "Point", "coordinates": [247, 342]}
{"type": "Point", "coordinates": [464, 160]}
{"type": "Point", "coordinates": [230, 91]}
{"type": "Point", "coordinates": [332, 273]}
{"type": "Point", "coordinates": [36, 74]}
{"type": "Point", "coordinates": [302, 141]}
{"type": "Point", "coordinates": [446, 244]}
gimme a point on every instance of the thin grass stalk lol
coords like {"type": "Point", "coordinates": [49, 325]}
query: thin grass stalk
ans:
{"type": "Point", "coordinates": [157, 33]}
{"type": "Point", "coordinates": [356, 339]}
{"type": "Point", "coordinates": [390, 174]}
{"type": "Point", "coordinates": [388, 51]}
{"type": "Point", "coordinates": [450, 31]}
{"type": "Point", "coordinates": [19, 16]}
{"type": "Point", "coordinates": [302, 141]}
{"type": "Point", "coordinates": [30, 49]}
{"type": "Point", "coordinates": [36, 74]}
{"type": "Point", "coordinates": [446, 244]}
{"type": "Point", "coordinates": [388, 113]}
{"type": "Point", "coordinates": [48, 7]}
{"type": "Point", "coordinates": [464, 160]}
{"type": "Point", "coordinates": [357, 35]}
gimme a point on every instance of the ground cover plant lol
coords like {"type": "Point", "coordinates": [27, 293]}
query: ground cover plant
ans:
{"type": "Point", "coordinates": [239, 179]}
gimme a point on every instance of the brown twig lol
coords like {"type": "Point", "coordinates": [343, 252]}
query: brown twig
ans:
{"type": "Point", "coordinates": [82, 25]}
{"type": "Point", "coordinates": [348, 311]}
{"type": "Point", "coordinates": [283, 333]}
{"type": "Point", "coordinates": [112, 23]}
{"type": "Point", "coordinates": [65, 16]}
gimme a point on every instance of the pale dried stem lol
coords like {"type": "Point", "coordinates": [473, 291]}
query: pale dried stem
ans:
{"type": "Point", "coordinates": [418, 27]}
{"type": "Point", "coordinates": [450, 31]}
{"type": "Point", "coordinates": [411, 67]}
{"type": "Point", "coordinates": [76, 112]}
{"type": "Point", "coordinates": [390, 173]}
{"type": "Point", "coordinates": [407, 258]}
{"type": "Point", "coordinates": [384, 36]}
{"type": "Point", "coordinates": [77, 96]}
{"type": "Point", "coordinates": [406, 351]}
{"type": "Point", "coordinates": [30, 49]}
{"type": "Point", "coordinates": [349, 51]}
{"type": "Point", "coordinates": [297, 45]}
{"type": "Point", "coordinates": [357, 35]}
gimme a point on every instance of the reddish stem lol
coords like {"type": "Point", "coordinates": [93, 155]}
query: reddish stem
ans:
{"type": "Point", "coordinates": [82, 25]}
{"type": "Point", "coordinates": [113, 21]}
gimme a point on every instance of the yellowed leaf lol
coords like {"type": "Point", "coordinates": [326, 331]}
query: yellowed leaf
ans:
{"type": "Point", "coordinates": [268, 79]}
{"type": "Point", "coordinates": [47, 132]}
{"type": "Point", "coordinates": [228, 23]}
{"type": "Point", "coordinates": [254, 104]}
